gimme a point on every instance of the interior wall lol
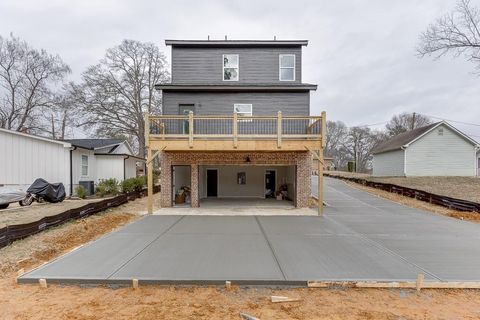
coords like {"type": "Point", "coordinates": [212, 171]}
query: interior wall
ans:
{"type": "Point", "coordinates": [255, 180]}
{"type": "Point", "coordinates": [182, 177]}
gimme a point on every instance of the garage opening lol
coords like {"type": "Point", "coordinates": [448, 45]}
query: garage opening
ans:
{"type": "Point", "coordinates": [244, 185]}
{"type": "Point", "coordinates": [181, 186]}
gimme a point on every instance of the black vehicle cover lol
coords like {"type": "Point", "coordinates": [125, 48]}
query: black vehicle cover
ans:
{"type": "Point", "coordinates": [51, 192]}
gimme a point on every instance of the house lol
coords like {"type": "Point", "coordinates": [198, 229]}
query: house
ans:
{"type": "Point", "coordinates": [93, 160]}
{"type": "Point", "coordinates": [438, 149]}
{"type": "Point", "coordinates": [327, 164]}
{"type": "Point", "coordinates": [26, 157]}
{"type": "Point", "coordinates": [236, 122]}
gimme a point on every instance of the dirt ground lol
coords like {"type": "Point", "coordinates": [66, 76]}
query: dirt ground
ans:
{"type": "Point", "coordinates": [15, 214]}
{"type": "Point", "coordinates": [168, 302]}
{"type": "Point", "coordinates": [467, 188]}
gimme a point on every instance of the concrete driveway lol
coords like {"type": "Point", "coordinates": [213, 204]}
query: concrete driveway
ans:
{"type": "Point", "coordinates": [360, 237]}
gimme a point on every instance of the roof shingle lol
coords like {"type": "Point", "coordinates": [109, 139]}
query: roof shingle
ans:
{"type": "Point", "coordinates": [402, 139]}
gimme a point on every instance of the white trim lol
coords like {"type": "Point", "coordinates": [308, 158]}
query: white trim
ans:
{"type": "Point", "coordinates": [280, 67]}
{"type": "Point", "coordinates": [404, 161]}
{"type": "Point", "coordinates": [223, 66]}
{"type": "Point", "coordinates": [475, 143]}
{"type": "Point", "coordinates": [243, 104]}
{"type": "Point", "coordinates": [265, 182]}
{"type": "Point", "coordinates": [26, 135]}
{"type": "Point", "coordinates": [82, 165]}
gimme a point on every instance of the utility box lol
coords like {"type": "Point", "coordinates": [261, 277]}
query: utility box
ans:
{"type": "Point", "coordinates": [89, 187]}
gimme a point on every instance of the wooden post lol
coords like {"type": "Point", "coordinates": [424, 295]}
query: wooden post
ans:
{"type": "Point", "coordinates": [320, 163]}
{"type": "Point", "coordinates": [149, 164]}
{"type": "Point", "coordinates": [279, 129]}
{"type": "Point", "coordinates": [190, 129]}
{"type": "Point", "coordinates": [235, 130]}
{"type": "Point", "coordinates": [419, 282]}
{"type": "Point", "coordinates": [150, 181]}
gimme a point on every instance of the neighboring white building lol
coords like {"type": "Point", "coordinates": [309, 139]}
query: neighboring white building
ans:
{"type": "Point", "coordinates": [25, 157]}
{"type": "Point", "coordinates": [438, 149]}
{"type": "Point", "coordinates": [98, 159]}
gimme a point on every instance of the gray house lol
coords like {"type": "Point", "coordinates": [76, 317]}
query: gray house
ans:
{"type": "Point", "coordinates": [438, 149]}
{"type": "Point", "coordinates": [233, 90]}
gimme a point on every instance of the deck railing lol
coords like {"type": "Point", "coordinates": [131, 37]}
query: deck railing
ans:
{"type": "Point", "coordinates": [235, 127]}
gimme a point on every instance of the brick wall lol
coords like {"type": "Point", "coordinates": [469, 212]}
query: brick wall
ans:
{"type": "Point", "coordinates": [167, 159]}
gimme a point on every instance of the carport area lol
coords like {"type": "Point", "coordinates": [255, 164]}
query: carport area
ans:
{"type": "Point", "coordinates": [360, 237]}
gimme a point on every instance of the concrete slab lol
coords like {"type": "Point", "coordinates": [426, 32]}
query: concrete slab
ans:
{"type": "Point", "coordinates": [204, 257]}
{"type": "Point", "coordinates": [360, 237]}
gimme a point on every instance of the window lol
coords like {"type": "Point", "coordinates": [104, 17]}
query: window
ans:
{"type": "Point", "coordinates": [242, 109]}
{"type": "Point", "coordinates": [230, 67]}
{"type": "Point", "coordinates": [84, 165]}
{"type": "Point", "coordinates": [440, 132]}
{"type": "Point", "coordinates": [287, 67]}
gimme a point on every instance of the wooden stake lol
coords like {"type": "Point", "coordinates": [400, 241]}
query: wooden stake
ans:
{"type": "Point", "coordinates": [135, 284]}
{"type": "Point", "coordinates": [419, 283]}
{"type": "Point", "coordinates": [276, 299]}
{"type": "Point", "coordinates": [395, 284]}
{"type": "Point", "coordinates": [43, 283]}
{"type": "Point", "coordinates": [20, 272]}
{"type": "Point", "coordinates": [228, 285]}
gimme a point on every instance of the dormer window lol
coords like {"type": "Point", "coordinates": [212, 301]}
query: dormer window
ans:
{"type": "Point", "coordinates": [287, 67]}
{"type": "Point", "coordinates": [230, 67]}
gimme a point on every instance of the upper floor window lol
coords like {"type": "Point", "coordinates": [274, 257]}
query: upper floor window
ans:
{"type": "Point", "coordinates": [287, 67]}
{"type": "Point", "coordinates": [84, 165]}
{"type": "Point", "coordinates": [242, 109]}
{"type": "Point", "coordinates": [230, 67]}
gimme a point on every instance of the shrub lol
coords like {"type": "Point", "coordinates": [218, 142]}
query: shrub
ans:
{"type": "Point", "coordinates": [107, 187]}
{"type": "Point", "coordinates": [134, 184]}
{"type": "Point", "coordinates": [81, 192]}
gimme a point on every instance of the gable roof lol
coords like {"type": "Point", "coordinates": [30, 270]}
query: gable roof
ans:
{"type": "Point", "coordinates": [406, 138]}
{"type": "Point", "coordinates": [92, 144]}
{"type": "Point", "coordinates": [66, 144]}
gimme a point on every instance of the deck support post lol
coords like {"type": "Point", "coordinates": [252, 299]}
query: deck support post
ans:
{"type": "Point", "coordinates": [150, 181]}
{"type": "Point", "coordinates": [279, 129]}
{"type": "Point", "coordinates": [149, 164]}
{"type": "Point", "coordinates": [321, 162]}
{"type": "Point", "coordinates": [190, 129]}
{"type": "Point", "coordinates": [235, 130]}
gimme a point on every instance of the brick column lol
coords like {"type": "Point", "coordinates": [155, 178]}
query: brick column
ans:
{"type": "Point", "coordinates": [304, 167]}
{"type": "Point", "coordinates": [194, 186]}
{"type": "Point", "coordinates": [165, 181]}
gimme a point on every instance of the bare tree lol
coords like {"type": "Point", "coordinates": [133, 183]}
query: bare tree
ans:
{"type": "Point", "coordinates": [406, 122]}
{"type": "Point", "coordinates": [115, 92]}
{"type": "Point", "coordinates": [457, 32]}
{"type": "Point", "coordinates": [359, 145]}
{"type": "Point", "coordinates": [336, 135]}
{"type": "Point", "coordinates": [27, 79]}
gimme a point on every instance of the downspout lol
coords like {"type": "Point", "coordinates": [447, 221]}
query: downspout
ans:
{"type": "Point", "coordinates": [71, 170]}
{"type": "Point", "coordinates": [404, 148]}
{"type": "Point", "coordinates": [125, 167]}
{"type": "Point", "coordinates": [476, 164]}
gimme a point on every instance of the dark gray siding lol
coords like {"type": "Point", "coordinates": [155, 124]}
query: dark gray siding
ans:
{"type": "Point", "coordinates": [257, 65]}
{"type": "Point", "coordinates": [263, 103]}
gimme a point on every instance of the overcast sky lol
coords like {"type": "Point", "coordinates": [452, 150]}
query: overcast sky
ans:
{"type": "Point", "coordinates": [361, 53]}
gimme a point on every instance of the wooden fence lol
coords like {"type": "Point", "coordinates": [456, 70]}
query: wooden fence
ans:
{"type": "Point", "coordinates": [451, 203]}
{"type": "Point", "coordinates": [11, 233]}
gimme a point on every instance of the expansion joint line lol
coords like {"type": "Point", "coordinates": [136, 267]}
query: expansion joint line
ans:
{"type": "Point", "coordinates": [148, 245]}
{"type": "Point", "coordinates": [271, 247]}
